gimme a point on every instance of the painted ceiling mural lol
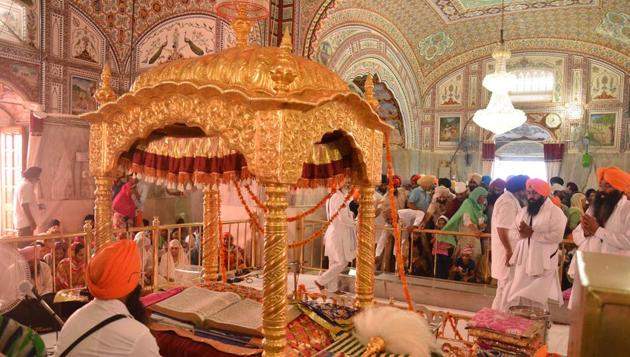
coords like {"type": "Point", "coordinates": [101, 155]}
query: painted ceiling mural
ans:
{"type": "Point", "coordinates": [452, 32]}
{"type": "Point", "coordinates": [20, 22]}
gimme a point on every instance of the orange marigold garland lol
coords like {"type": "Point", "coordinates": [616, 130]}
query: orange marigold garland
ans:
{"type": "Point", "coordinates": [221, 249]}
{"type": "Point", "coordinates": [319, 232]}
{"type": "Point", "coordinates": [314, 208]}
{"type": "Point", "coordinates": [394, 214]}
{"type": "Point", "coordinates": [255, 198]}
{"type": "Point", "coordinates": [249, 212]}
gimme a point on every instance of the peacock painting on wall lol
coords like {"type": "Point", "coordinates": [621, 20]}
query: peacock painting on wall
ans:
{"type": "Point", "coordinates": [184, 38]}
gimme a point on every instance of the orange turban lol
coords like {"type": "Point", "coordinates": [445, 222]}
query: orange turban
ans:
{"type": "Point", "coordinates": [539, 186]}
{"type": "Point", "coordinates": [556, 201]}
{"type": "Point", "coordinates": [113, 272]}
{"type": "Point", "coordinates": [615, 176]}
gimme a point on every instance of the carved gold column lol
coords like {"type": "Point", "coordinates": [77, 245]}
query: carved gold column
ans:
{"type": "Point", "coordinates": [211, 234]}
{"type": "Point", "coordinates": [365, 254]}
{"type": "Point", "coordinates": [103, 210]}
{"type": "Point", "coordinates": [275, 271]}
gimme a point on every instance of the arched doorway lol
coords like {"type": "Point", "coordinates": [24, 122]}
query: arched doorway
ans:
{"type": "Point", "coordinates": [520, 152]}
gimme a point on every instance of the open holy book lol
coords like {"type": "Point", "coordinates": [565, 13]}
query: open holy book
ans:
{"type": "Point", "coordinates": [214, 310]}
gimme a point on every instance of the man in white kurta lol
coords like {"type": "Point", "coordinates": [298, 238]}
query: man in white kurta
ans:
{"type": "Point", "coordinates": [540, 227]}
{"type": "Point", "coordinates": [340, 244]}
{"type": "Point", "coordinates": [504, 237]}
{"type": "Point", "coordinates": [409, 219]}
{"type": "Point", "coordinates": [605, 227]}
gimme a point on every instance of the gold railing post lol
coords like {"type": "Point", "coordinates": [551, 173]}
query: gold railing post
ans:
{"type": "Point", "coordinates": [365, 254]}
{"type": "Point", "coordinates": [210, 241]}
{"type": "Point", "coordinates": [155, 237]}
{"type": "Point", "coordinates": [275, 271]}
{"type": "Point", "coordinates": [87, 228]}
{"type": "Point", "coordinates": [103, 210]}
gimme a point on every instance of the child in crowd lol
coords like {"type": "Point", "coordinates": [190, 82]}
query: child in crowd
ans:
{"type": "Point", "coordinates": [464, 268]}
{"type": "Point", "coordinates": [441, 252]}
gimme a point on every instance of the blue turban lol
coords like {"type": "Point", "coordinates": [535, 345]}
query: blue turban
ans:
{"type": "Point", "coordinates": [516, 183]}
{"type": "Point", "coordinates": [486, 180]}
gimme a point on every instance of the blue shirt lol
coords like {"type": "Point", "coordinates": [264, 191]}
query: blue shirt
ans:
{"type": "Point", "coordinates": [420, 198]}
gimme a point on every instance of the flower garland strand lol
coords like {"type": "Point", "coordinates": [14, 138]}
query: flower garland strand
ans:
{"type": "Point", "coordinates": [312, 210]}
{"type": "Point", "coordinates": [394, 215]}
{"type": "Point", "coordinates": [220, 233]}
{"type": "Point", "coordinates": [308, 212]}
{"type": "Point", "coordinates": [319, 232]}
{"type": "Point", "coordinates": [255, 198]}
{"type": "Point", "coordinates": [252, 217]}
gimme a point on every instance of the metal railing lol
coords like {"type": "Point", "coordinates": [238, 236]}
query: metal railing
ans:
{"type": "Point", "coordinates": [244, 253]}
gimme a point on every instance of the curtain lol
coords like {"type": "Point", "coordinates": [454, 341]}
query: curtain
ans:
{"type": "Point", "coordinates": [35, 130]}
{"type": "Point", "coordinates": [553, 158]}
{"type": "Point", "coordinates": [487, 158]}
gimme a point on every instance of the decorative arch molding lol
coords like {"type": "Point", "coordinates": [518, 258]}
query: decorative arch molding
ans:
{"type": "Point", "coordinates": [351, 59]}
{"type": "Point", "coordinates": [371, 63]}
{"type": "Point", "coordinates": [371, 20]}
{"type": "Point", "coordinates": [310, 40]}
{"type": "Point", "coordinates": [526, 45]}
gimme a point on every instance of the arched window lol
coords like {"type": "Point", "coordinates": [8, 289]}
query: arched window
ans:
{"type": "Point", "coordinates": [533, 85]}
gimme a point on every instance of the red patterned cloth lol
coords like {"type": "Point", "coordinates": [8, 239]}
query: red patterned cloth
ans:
{"type": "Point", "coordinates": [305, 337]}
{"type": "Point", "coordinates": [500, 322]}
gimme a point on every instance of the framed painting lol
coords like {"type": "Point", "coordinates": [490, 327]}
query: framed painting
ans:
{"type": "Point", "coordinates": [603, 129]}
{"type": "Point", "coordinates": [82, 95]}
{"type": "Point", "coordinates": [448, 131]}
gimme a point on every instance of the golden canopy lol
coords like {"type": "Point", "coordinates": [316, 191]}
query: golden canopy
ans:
{"type": "Point", "coordinates": [272, 108]}
{"type": "Point", "coordinates": [266, 103]}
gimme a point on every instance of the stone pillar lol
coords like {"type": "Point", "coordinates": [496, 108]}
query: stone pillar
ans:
{"type": "Point", "coordinates": [210, 242]}
{"type": "Point", "coordinates": [275, 271]}
{"type": "Point", "coordinates": [103, 210]}
{"type": "Point", "coordinates": [365, 253]}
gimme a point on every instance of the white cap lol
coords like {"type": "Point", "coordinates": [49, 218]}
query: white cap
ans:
{"type": "Point", "coordinates": [460, 187]}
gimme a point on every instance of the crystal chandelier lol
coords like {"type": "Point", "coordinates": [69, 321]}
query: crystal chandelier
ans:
{"type": "Point", "coordinates": [500, 116]}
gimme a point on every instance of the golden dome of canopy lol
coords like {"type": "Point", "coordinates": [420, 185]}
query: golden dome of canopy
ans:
{"type": "Point", "coordinates": [257, 71]}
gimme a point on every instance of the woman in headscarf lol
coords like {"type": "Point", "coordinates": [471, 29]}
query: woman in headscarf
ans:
{"type": "Point", "coordinates": [234, 255]}
{"type": "Point", "coordinates": [578, 205]}
{"type": "Point", "coordinates": [71, 271]}
{"type": "Point", "coordinates": [175, 257]}
{"type": "Point", "coordinates": [469, 218]}
{"type": "Point", "coordinates": [143, 242]}
{"type": "Point", "coordinates": [61, 249]}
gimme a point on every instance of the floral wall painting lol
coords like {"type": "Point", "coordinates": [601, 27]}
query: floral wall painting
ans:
{"type": "Point", "coordinates": [14, 20]}
{"type": "Point", "coordinates": [435, 45]}
{"type": "Point", "coordinates": [87, 43]}
{"type": "Point", "coordinates": [449, 128]}
{"type": "Point", "coordinates": [605, 84]}
{"type": "Point", "coordinates": [602, 128]}
{"type": "Point", "coordinates": [184, 38]}
{"type": "Point", "coordinates": [616, 26]}
{"type": "Point", "coordinates": [450, 91]}
{"type": "Point", "coordinates": [82, 95]}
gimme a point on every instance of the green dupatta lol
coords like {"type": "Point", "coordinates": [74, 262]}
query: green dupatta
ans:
{"type": "Point", "coordinates": [470, 206]}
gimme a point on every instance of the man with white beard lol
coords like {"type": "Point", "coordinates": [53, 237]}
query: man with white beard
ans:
{"type": "Point", "coordinates": [504, 236]}
{"type": "Point", "coordinates": [605, 227]}
{"type": "Point", "coordinates": [540, 227]}
{"type": "Point", "coordinates": [340, 244]}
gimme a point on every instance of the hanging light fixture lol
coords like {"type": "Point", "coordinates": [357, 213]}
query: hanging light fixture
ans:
{"type": "Point", "coordinates": [500, 116]}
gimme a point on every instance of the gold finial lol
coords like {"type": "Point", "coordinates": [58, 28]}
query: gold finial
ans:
{"type": "Point", "coordinates": [105, 94]}
{"type": "Point", "coordinates": [376, 345]}
{"type": "Point", "coordinates": [284, 73]}
{"type": "Point", "coordinates": [242, 26]}
{"type": "Point", "coordinates": [369, 92]}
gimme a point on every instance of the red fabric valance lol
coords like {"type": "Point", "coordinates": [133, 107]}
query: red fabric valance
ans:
{"type": "Point", "coordinates": [181, 163]}
{"type": "Point", "coordinates": [488, 151]}
{"type": "Point", "coordinates": [553, 152]}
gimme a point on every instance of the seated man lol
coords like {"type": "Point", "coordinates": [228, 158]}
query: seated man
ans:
{"type": "Point", "coordinates": [112, 323]}
{"type": "Point", "coordinates": [464, 268]}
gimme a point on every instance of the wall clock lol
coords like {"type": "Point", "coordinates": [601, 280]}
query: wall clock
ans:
{"type": "Point", "coordinates": [553, 121]}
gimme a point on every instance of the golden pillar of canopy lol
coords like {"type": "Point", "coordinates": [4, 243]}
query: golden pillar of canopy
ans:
{"type": "Point", "coordinates": [269, 105]}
